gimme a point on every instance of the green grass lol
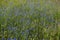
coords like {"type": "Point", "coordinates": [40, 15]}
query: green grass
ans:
{"type": "Point", "coordinates": [30, 21]}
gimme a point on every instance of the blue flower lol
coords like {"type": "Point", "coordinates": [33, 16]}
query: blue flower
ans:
{"type": "Point", "coordinates": [14, 38]}
{"type": "Point", "coordinates": [9, 39]}
{"type": "Point", "coordinates": [27, 30]}
{"type": "Point", "coordinates": [3, 38]}
{"type": "Point", "coordinates": [22, 32]}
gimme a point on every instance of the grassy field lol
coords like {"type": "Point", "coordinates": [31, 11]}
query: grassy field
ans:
{"type": "Point", "coordinates": [29, 20]}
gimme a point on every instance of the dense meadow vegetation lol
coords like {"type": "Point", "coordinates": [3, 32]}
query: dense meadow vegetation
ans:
{"type": "Point", "coordinates": [29, 20]}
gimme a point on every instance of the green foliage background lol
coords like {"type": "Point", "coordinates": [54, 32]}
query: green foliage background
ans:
{"type": "Point", "coordinates": [30, 19]}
